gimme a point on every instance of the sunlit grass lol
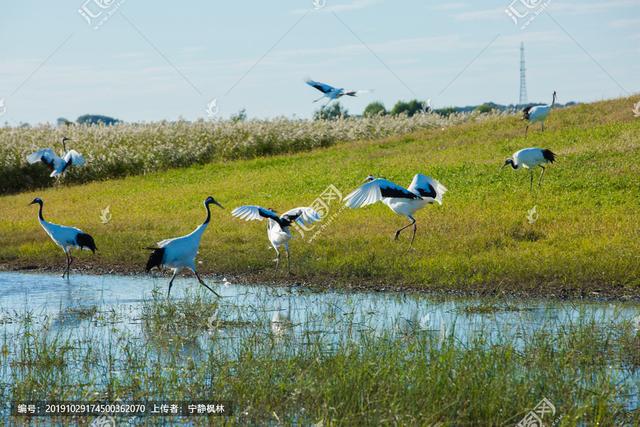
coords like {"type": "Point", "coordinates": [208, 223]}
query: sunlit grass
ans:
{"type": "Point", "coordinates": [585, 240]}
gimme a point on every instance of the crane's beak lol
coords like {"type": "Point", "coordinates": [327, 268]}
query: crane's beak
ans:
{"type": "Point", "coordinates": [216, 203]}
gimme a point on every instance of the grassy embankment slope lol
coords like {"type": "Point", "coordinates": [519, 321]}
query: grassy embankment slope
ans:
{"type": "Point", "coordinates": [586, 237]}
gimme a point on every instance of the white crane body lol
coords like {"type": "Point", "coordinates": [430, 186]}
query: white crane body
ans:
{"type": "Point", "coordinates": [423, 191]}
{"type": "Point", "coordinates": [278, 230]}
{"type": "Point", "coordinates": [537, 113]}
{"type": "Point", "coordinates": [330, 92]}
{"type": "Point", "coordinates": [55, 163]}
{"type": "Point", "coordinates": [529, 158]}
{"type": "Point", "coordinates": [180, 252]}
{"type": "Point", "coordinates": [65, 237]}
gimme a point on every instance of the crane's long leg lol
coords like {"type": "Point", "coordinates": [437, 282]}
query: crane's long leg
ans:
{"type": "Point", "coordinates": [542, 123]}
{"type": "Point", "coordinates": [531, 180]}
{"type": "Point", "coordinates": [64, 272]}
{"type": "Point", "coordinates": [277, 260]}
{"type": "Point", "coordinates": [69, 266]}
{"type": "Point", "coordinates": [204, 284]}
{"type": "Point", "coordinates": [319, 99]}
{"type": "Point", "coordinates": [286, 246]}
{"type": "Point", "coordinates": [175, 273]}
{"type": "Point", "coordinates": [415, 228]}
{"type": "Point", "coordinates": [66, 269]}
{"type": "Point", "coordinates": [413, 221]}
{"type": "Point", "coordinates": [526, 130]}
{"type": "Point", "coordinates": [541, 175]}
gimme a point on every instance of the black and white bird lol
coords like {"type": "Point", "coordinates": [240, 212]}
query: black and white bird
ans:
{"type": "Point", "coordinates": [423, 190]}
{"type": "Point", "coordinates": [65, 237]}
{"type": "Point", "coordinates": [529, 158]}
{"type": "Point", "coordinates": [537, 113]}
{"type": "Point", "coordinates": [57, 165]}
{"type": "Point", "coordinates": [180, 252]}
{"type": "Point", "coordinates": [330, 92]}
{"type": "Point", "coordinates": [278, 230]}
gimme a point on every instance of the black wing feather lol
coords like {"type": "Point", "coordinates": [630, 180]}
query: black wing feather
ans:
{"type": "Point", "coordinates": [549, 155]}
{"type": "Point", "coordinates": [155, 259]}
{"type": "Point", "coordinates": [319, 87]}
{"type": "Point", "coordinates": [86, 241]}
{"type": "Point", "coordinates": [395, 192]}
{"type": "Point", "coordinates": [431, 193]}
{"type": "Point", "coordinates": [48, 164]}
{"type": "Point", "coordinates": [266, 213]}
{"type": "Point", "coordinates": [287, 220]}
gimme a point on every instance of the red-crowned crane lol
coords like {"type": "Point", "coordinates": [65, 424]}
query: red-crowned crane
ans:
{"type": "Point", "coordinates": [278, 230]}
{"type": "Point", "coordinates": [57, 165]}
{"type": "Point", "coordinates": [537, 113]}
{"type": "Point", "coordinates": [529, 158]}
{"type": "Point", "coordinates": [330, 92]}
{"type": "Point", "coordinates": [180, 252]}
{"type": "Point", "coordinates": [65, 237]}
{"type": "Point", "coordinates": [423, 190]}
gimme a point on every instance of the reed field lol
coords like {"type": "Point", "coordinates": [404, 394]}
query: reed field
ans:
{"type": "Point", "coordinates": [582, 238]}
{"type": "Point", "coordinates": [136, 149]}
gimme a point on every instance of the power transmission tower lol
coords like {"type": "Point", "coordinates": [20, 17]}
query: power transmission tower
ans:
{"type": "Point", "coordinates": [523, 78]}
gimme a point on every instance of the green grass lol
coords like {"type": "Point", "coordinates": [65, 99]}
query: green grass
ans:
{"type": "Point", "coordinates": [409, 377]}
{"type": "Point", "coordinates": [585, 239]}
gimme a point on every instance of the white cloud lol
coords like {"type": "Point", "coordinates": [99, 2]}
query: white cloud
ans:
{"type": "Point", "coordinates": [353, 5]}
{"type": "Point", "coordinates": [532, 37]}
{"type": "Point", "coordinates": [450, 6]}
{"type": "Point", "coordinates": [342, 7]}
{"type": "Point", "coordinates": [444, 43]}
{"type": "Point", "coordinates": [130, 55]}
{"type": "Point", "coordinates": [478, 15]}
{"type": "Point", "coordinates": [595, 7]}
{"type": "Point", "coordinates": [560, 7]}
{"type": "Point", "coordinates": [625, 23]}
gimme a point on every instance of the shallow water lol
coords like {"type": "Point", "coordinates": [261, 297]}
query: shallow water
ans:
{"type": "Point", "coordinates": [63, 301]}
{"type": "Point", "coordinates": [91, 307]}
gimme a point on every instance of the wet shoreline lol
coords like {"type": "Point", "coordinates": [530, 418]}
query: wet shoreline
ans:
{"type": "Point", "coordinates": [592, 292]}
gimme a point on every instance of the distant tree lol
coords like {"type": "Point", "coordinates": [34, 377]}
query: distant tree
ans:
{"type": "Point", "coordinates": [240, 116]}
{"type": "Point", "coordinates": [375, 108]}
{"type": "Point", "coordinates": [447, 111]}
{"type": "Point", "coordinates": [63, 122]}
{"type": "Point", "coordinates": [484, 108]}
{"type": "Point", "coordinates": [96, 119]}
{"type": "Point", "coordinates": [332, 112]}
{"type": "Point", "coordinates": [409, 108]}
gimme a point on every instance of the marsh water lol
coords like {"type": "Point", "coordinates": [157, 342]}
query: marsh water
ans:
{"type": "Point", "coordinates": [73, 303]}
{"type": "Point", "coordinates": [91, 306]}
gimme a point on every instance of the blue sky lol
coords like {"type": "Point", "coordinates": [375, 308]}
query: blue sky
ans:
{"type": "Point", "coordinates": [164, 60]}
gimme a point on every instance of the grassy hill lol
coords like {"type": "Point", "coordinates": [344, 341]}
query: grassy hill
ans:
{"type": "Point", "coordinates": [586, 237]}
